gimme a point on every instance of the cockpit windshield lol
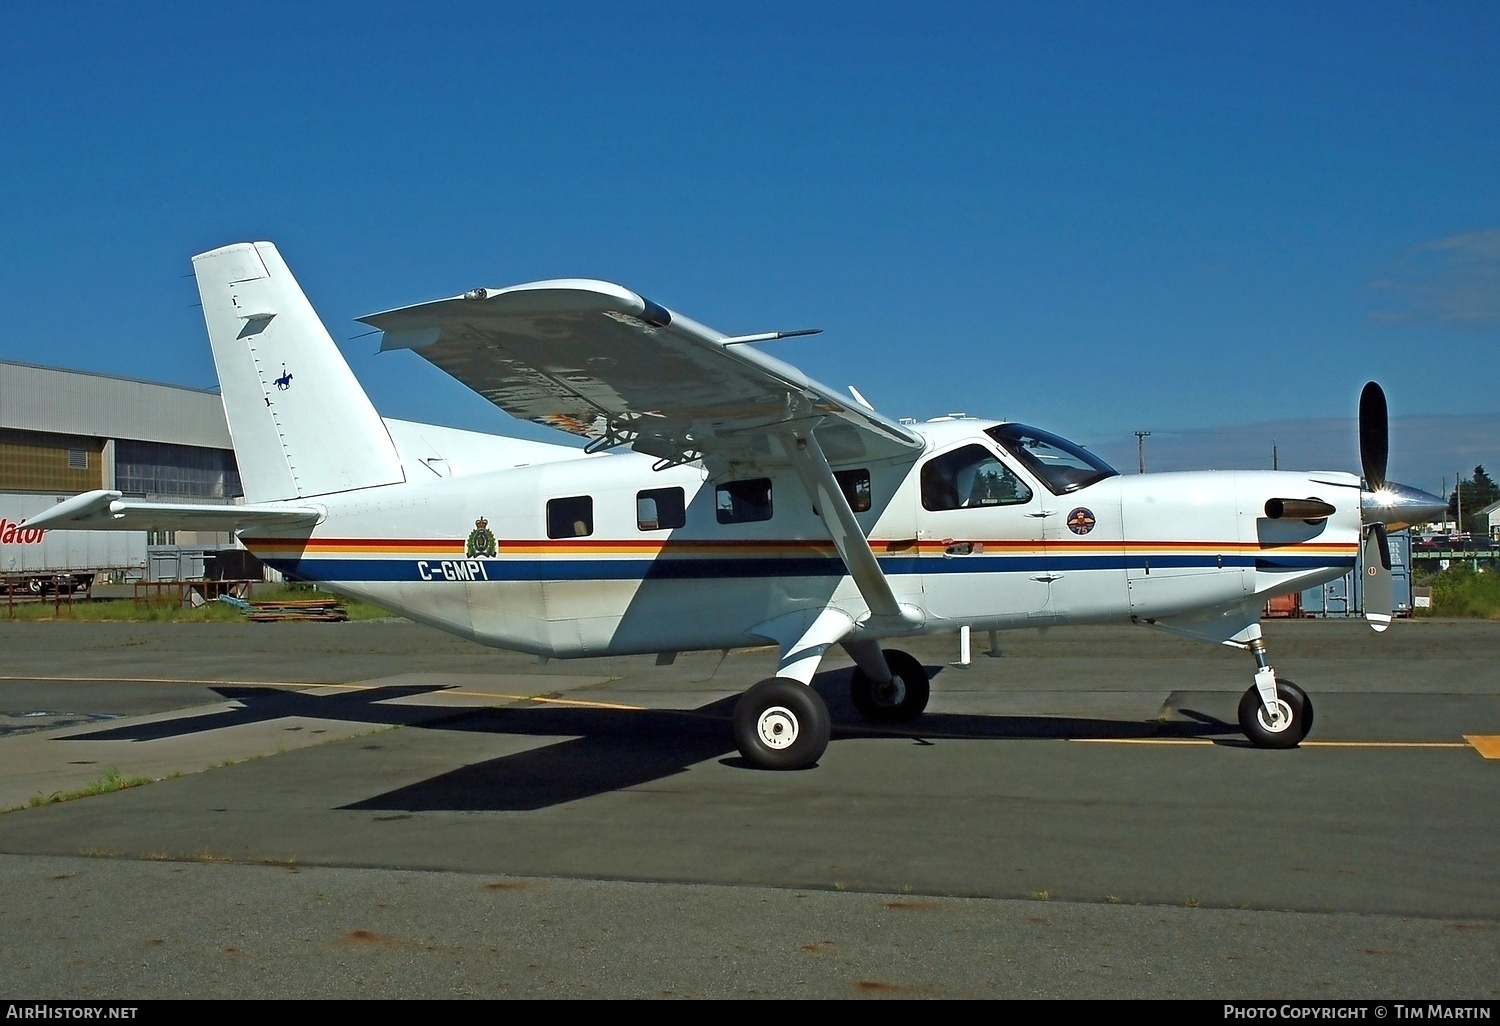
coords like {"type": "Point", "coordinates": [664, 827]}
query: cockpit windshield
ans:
{"type": "Point", "coordinates": [1061, 465]}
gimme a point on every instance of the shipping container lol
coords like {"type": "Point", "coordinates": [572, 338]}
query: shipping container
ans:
{"type": "Point", "coordinates": [1344, 596]}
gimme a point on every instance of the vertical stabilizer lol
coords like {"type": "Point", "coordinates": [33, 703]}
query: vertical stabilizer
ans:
{"type": "Point", "coordinates": [301, 424]}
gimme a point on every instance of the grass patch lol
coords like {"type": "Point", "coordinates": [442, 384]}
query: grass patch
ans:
{"type": "Point", "coordinates": [130, 611]}
{"type": "Point", "coordinates": [113, 780]}
{"type": "Point", "coordinates": [1462, 591]}
{"type": "Point", "coordinates": [126, 610]}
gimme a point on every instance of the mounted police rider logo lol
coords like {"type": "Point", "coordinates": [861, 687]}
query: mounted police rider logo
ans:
{"type": "Point", "coordinates": [481, 540]}
{"type": "Point", "coordinates": [1081, 520]}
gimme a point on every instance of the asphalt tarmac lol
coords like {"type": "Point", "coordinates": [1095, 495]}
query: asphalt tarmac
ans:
{"type": "Point", "coordinates": [380, 810]}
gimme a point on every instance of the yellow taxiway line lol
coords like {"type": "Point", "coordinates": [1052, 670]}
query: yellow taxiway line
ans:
{"type": "Point", "coordinates": [171, 680]}
{"type": "Point", "coordinates": [1487, 745]}
{"type": "Point", "coordinates": [541, 699]}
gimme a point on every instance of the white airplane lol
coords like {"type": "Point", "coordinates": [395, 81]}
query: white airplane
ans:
{"type": "Point", "coordinates": [754, 505]}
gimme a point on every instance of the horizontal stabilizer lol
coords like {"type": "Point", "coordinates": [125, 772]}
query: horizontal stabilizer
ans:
{"type": "Point", "coordinates": [106, 510]}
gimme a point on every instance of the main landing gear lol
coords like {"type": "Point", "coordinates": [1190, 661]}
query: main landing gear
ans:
{"type": "Point", "coordinates": [1274, 713]}
{"type": "Point", "coordinates": [900, 699]}
{"type": "Point", "coordinates": [783, 724]}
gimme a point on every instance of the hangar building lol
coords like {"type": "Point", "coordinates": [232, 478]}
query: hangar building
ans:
{"type": "Point", "coordinates": [63, 432]}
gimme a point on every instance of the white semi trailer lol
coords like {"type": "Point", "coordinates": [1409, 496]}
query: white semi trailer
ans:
{"type": "Point", "coordinates": [40, 562]}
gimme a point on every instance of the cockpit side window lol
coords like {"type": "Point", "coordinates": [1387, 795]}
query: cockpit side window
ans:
{"type": "Point", "coordinates": [1058, 463]}
{"type": "Point", "coordinates": [970, 477]}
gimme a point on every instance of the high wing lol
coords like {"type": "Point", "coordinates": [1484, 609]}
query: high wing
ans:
{"type": "Point", "coordinates": [106, 510]}
{"type": "Point", "coordinates": [597, 360]}
{"type": "Point", "coordinates": [601, 361]}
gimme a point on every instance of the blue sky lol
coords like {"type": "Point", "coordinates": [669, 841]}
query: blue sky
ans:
{"type": "Point", "coordinates": [1210, 221]}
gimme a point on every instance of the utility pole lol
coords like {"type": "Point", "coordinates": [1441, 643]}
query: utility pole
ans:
{"type": "Point", "coordinates": [1274, 463]}
{"type": "Point", "coordinates": [1140, 446]}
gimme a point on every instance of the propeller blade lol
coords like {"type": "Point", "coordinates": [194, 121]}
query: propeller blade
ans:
{"type": "Point", "coordinates": [1379, 587]}
{"type": "Point", "coordinates": [1374, 435]}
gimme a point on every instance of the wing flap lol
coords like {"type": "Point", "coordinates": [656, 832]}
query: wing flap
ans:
{"type": "Point", "coordinates": [600, 361]}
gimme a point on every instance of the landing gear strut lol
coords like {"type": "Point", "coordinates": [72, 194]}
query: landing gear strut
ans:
{"type": "Point", "coordinates": [1274, 713]}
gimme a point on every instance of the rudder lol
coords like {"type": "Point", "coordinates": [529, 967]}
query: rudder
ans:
{"type": "Point", "coordinates": [300, 422]}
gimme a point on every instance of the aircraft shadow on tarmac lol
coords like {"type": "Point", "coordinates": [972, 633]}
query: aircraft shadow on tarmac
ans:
{"type": "Point", "coordinates": [610, 749]}
{"type": "Point", "coordinates": [260, 704]}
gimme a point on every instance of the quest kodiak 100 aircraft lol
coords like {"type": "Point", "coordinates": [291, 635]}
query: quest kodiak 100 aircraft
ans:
{"type": "Point", "coordinates": [751, 505]}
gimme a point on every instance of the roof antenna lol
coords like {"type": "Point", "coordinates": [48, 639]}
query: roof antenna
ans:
{"type": "Point", "coordinates": [769, 336]}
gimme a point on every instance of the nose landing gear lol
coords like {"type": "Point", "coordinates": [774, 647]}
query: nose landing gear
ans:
{"type": "Point", "coordinates": [1287, 726]}
{"type": "Point", "coordinates": [1274, 713]}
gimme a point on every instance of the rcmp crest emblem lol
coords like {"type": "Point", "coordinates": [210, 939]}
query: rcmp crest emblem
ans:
{"type": "Point", "coordinates": [481, 540]}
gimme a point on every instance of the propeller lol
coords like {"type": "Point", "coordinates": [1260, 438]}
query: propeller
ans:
{"type": "Point", "coordinates": [1383, 506]}
{"type": "Point", "coordinates": [1374, 435]}
{"type": "Point", "coordinates": [1380, 586]}
{"type": "Point", "coordinates": [1374, 451]}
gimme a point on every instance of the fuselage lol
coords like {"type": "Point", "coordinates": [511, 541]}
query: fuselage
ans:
{"type": "Point", "coordinates": [545, 550]}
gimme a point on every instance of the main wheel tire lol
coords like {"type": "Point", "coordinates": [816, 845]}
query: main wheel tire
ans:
{"type": "Point", "coordinates": [1286, 732]}
{"type": "Point", "coordinates": [901, 700]}
{"type": "Point", "coordinates": [781, 724]}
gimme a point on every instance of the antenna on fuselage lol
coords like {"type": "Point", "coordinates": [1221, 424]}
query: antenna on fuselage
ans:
{"type": "Point", "coordinates": [769, 336]}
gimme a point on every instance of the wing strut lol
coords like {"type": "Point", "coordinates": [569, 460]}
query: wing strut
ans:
{"type": "Point", "coordinates": [848, 537]}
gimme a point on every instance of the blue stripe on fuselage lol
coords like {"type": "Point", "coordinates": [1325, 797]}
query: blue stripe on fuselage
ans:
{"type": "Point", "coordinates": [625, 569]}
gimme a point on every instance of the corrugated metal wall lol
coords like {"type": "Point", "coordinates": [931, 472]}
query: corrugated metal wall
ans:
{"type": "Point", "coordinates": [59, 435]}
{"type": "Point", "coordinates": [73, 403]}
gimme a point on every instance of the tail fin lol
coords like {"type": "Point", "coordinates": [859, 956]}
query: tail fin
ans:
{"type": "Point", "coordinates": [301, 424]}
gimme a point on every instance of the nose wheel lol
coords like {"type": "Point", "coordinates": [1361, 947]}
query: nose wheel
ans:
{"type": "Point", "coordinates": [1285, 724]}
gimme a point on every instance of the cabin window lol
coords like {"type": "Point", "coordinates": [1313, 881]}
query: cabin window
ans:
{"type": "Point", "coordinates": [855, 484]}
{"type": "Point", "coordinates": [970, 477]}
{"type": "Point", "coordinates": [743, 502]}
{"type": "Point", "coordinates": [660, 509]}
{"type": "Point", "coordinates": [572, 517]}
